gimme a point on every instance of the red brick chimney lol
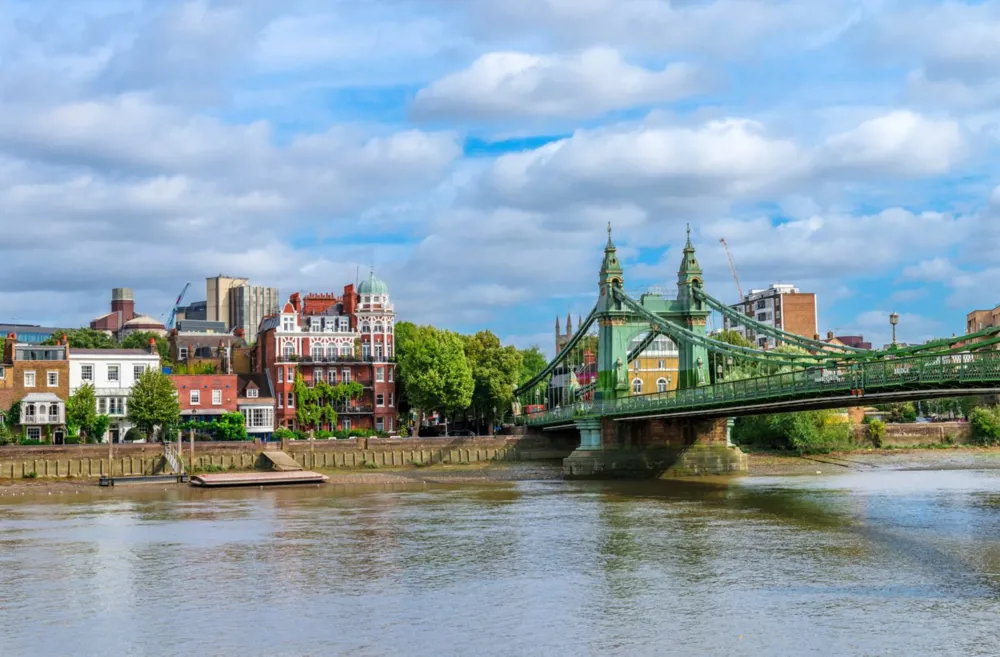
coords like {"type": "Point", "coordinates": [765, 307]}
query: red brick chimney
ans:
{"type": "Point", "coordinates": [296, 301]}
{"type": "Point", "coordinates": [153, 349]}
{"type": "Point", "coordinates": [8, 347]}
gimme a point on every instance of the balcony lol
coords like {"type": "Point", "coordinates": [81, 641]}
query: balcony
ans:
{"type": "Point", "coordinates": [336, 359]}
{"type": "Point", "coordinates": [357, 409]}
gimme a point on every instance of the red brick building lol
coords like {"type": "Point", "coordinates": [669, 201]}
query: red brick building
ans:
{"type": "Point", "coordinates": [336, 339]}
{"type": "Point", "coordinates": [204, 397]}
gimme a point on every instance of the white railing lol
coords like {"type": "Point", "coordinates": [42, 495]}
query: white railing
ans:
{"type": "Point", "coordinates": [173, 458]}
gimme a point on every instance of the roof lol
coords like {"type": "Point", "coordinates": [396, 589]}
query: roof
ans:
{"type": "Point", "coordinates": [110, 352]}
{"type": "Point", "coordinates": [258, 380]}
{"type": "Point", "coordinates": [143, 320]}
{"type": "Point", "coordinates": [373, 285]}
{"type": "Point", "coordinates": [33, 397]}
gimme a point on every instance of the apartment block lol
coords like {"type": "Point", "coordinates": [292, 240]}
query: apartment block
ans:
{"type": "Point", "coordinates": [781, 306]}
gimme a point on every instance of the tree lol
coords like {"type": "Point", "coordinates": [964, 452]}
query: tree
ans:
{"type": "Point", "coordinates": [83, 338]}
{"type": "Point", "coordinates": [435, 370]}
{"type": "Point", "coordinates": [97, 430]}
{"type": "Point", "coordinates": [404, 333]}
{"type": "Point", "coordinates": [81, 411]}
{"type": "Point", "coordinates": [153, 403]}
{"type": "Point", "coordinates": [140, 340]}
{"type": "Point", "coordinates": [532, 363]}
{"type": "Point", "coordinates": [316, 405]}
{"type": "Point", "coordinates": [230, 426]}
{"type": "Point", "coordinates": [495, 371]}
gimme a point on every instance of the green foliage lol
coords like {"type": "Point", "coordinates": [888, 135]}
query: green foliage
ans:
{"type": "Point", "coordinates": [153, 402]}
{"type": "Point", "coordinates": [900, 412]}
{"type": "Point", "coordinates": [84, 338]}
{"type": "Point", "coordinates": [806, 432]}
{"type": "Point", "coordinates": [436, 372]}
{"type": "Point", "coordinates": [81, 410]}
{"type": "Point", "coordinates": [495, 371]}
{"type": "Point", "coordinates": [6, 435]}
{"type": "Point", "coordinates": [984, 426]}
{"type": "Point", "coordinates": [876, 432]}
{"type": "Point", "coordinates": [229, 426]}
{"type": "Point", "coordinates": [732, 337]}
{"type": "Point", "coordinates": [30, 442]}
{"type": "Point", "coordinates": [532, 363]}
{"type": "Point", "coordinates": [314, 406]}
{"type": "Point", "coordinates": [140, 340]}
{"type": "Point", "coordinates": [13, 416]}
{"type": "Point", "coordinates": [199, 369]}
{"type": "Point", "coordinates": [32, 474]}
{"type": "Point", "coordinates": [281, 433]}
{"type": "Point", "coordinates": [97, 430]}
{"type": "Point", "coordinates": [133, 435]}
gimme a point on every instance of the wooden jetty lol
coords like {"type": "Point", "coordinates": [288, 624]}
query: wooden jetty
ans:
{"type": "Point", "coordinates": [257, 479]}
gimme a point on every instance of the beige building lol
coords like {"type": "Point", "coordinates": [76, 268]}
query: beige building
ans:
{"type": "Point", "coordinates": [248, 305]}
{"type": "Point", "coordinates": [217, 295]}
{"type": "Point", "coordinates": [655, 369]}
{"type": "Point", "coordinates": [978, 320]}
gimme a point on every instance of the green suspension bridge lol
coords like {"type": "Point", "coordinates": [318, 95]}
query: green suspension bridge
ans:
{"type": "Point", "coordinates": [589, 378]}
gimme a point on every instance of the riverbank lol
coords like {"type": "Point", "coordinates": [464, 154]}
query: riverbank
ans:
{"type": "Point", "coordinates": [913, 458]}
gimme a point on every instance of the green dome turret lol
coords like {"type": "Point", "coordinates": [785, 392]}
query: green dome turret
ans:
{"type": "Point", "coordinates": [373, 285]}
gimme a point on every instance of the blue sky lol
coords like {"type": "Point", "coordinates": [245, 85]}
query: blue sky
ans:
{"type": "Point", "coordinates": [474, 152]}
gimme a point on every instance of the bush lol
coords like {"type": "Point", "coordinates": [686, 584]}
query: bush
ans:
{"type": "Point", "coordinates": [72, 440]}
{"type": "Point", "coordinates": [28, 441]}
{"type": "Point", "coordinates": [876, 432]}
{"type": "Point", "coordinates": [984, 426]}
{"type": "Point", "coordinates": [281, 433]}
{"type": "Point", "coordinates": [30, 475]}
{"type": "Point", "coordinates": [805, 432]}
{"type": "Point", "coordinates": [322, 434]}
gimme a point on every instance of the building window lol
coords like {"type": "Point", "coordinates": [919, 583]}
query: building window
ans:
{"type": "Point", "coordinates": [379, 424]}
{"type": "Point", "coordinates": [345, 375]}
{"type": "Point", "coordinates": [52, 379]}
{"type": "Point", "coordinates": [390, 374]}
{"type": "Point", "coordinates": [380, 399]}
{"type": "Point", "coordinates": [116, 406]}
{"type": "Point", "coordinates": [388, 423]}
{"type": "Point", "coordinates": [34, 433]}
{"type": "Point", "coordinates": [182, 353]}
{"type": "Point", "coordinates": [390, 399]}
{"type": "Point", "coordinates": [662, 364]}
{"type": "Point", "coordinates": [288, 323]}
{"type": "Point", "coordinates": [281, 375]}
{"type": "Point", "coordinates": [3, 374]}
{"type": "Point", "coordinates": [112, 372]}
{"type": "Point", "coordinates": [138, 371]}
{"type": "Point", "coordinates": [331, 376]}
{"type": "Point", "coordinates": [216, 398]}
{"type": "Point", "coordinates": [102, 405]}
{"type": "Point", "coordinates": [366, 350]}
{"type": "Point", "coordinates": [291, 374]}
{"type": "Point", "coordinates": [346, 424]}
{"type": "Point", "coordinates": [380, 374]}
{"type": "Point", "coordinates": [317, 375]}
{"type": "Point", "coordinates": [253, 393]}
{"type": "Point", "coordinates": [317, 351]}
{"type": "Point", "coordinates": [636, 386]}
{"type": "Point", "coordinates": [761, 317]}
{"type": "Point", "coordinates": [280, 403]}
{"type": "Point", "coordinates": [378, 351]}
{"type": "Point", "coordinates": [761, 305]}
{"type": "Point", "coordinates": [87, 372]}
{"type": "Point", "coordinates": [291, 400]}
{"type": "Point", "coordinates": [29, 379]}
{"type": "Point", "coordinates": [195, 397]}
{"type": "Point", "coordinates": [661, 385]}
{"type": "Point", "coordinates": [287, 351]}
{"type": "Point", "coordinates": [314, 324]}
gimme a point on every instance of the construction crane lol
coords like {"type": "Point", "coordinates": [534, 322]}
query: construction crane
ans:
{"type": "Point", "coordinates": [732, 267]}
{"type": "Point", "coordinates": [177, 305]}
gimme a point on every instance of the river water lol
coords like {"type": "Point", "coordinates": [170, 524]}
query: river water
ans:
{"type": "Point", "coordinates": [872, 563]}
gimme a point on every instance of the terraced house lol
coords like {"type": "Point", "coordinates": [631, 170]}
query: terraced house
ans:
{"type": "Point", "coordinates": [35, 379]}
{"type": "Point", "coordinates": [112, 373]}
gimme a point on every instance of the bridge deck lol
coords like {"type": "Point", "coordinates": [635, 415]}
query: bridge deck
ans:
{"type": "Point", "coordinates": [894, 379]}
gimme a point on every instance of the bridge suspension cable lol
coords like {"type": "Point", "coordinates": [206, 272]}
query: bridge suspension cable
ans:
{"type": "Point", "coordinates": [771, 331]}
{"type": "Point", "coordinates": [561, 356]}
{"type": "Point", "coordinates": [679, 333]}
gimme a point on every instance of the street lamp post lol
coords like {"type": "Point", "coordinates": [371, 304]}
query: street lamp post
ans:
{"type": "Point", "coordinates": [894, 319]}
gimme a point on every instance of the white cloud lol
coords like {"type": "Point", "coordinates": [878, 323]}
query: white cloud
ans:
{"type": "Point", "coordinates": [933, 270]}
{"type": "Point", "coordinates": [900, 143]}
{"type": "Point", "coordinates": [588, 83]}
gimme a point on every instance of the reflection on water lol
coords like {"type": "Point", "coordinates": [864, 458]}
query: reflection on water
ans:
{"type": "Point", "coordinates": [874, 563]}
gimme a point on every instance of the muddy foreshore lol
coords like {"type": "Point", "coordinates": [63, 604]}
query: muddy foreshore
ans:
{"type": "Point", "coordinates": [761, 464]}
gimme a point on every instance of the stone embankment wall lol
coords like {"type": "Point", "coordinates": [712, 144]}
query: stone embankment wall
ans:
{"type": "Point", "coordinates": [933, 433]}
{"type": "Point", "coordinates": [92, 460]}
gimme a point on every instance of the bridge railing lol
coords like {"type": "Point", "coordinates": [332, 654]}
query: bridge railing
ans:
{"type": "Point", "coordinates": [954, 370]}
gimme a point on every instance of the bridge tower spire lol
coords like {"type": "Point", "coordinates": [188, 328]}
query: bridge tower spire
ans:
{"type": "Point", "coordinates": [693, 362]}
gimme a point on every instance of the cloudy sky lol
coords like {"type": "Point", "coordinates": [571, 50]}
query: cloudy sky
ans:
{"type": "Point", "coordinates": [474, 151]}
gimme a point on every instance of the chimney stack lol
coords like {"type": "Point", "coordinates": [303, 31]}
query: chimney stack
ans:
{"type": "Point", "coordinates": [123, 303]}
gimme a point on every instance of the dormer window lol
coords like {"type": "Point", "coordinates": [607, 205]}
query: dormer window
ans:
{"type": "Point", "coordinates": [314, 324]}
{"type": "Point", "coordinates": [288, 323]}
{"type": "Point", "coordinates": [253, 393]}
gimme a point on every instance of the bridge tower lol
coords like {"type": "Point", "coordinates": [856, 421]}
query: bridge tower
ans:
{"type": "Point", "coordinates": [612, 320]}
{"type": "Point", "coordinates": [692, 314]}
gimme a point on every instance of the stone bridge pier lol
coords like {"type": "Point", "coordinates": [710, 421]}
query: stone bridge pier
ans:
{"type": "Point", "coordinates": [645, 448]}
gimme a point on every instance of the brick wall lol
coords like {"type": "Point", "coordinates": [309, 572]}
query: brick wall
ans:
{"type": "Point", "coordinates": [798, 313]}
{"type": "Point", "coordinates": [205, 384]}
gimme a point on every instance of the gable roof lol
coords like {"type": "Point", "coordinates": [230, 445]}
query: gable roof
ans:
{"type": "Point", "coordinates": [257, 380]}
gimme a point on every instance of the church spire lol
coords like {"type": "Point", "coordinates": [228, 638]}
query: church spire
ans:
{"type": "Point", "coordinates": [569, 324]}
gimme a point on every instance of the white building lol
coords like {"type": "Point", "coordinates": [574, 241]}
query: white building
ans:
{"type": "Point", "coordinates": [256, 402]}
{"type": "Point", "coordinates": [780, 306]}
{"type": "Point", "coordinates": [112, 372]}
